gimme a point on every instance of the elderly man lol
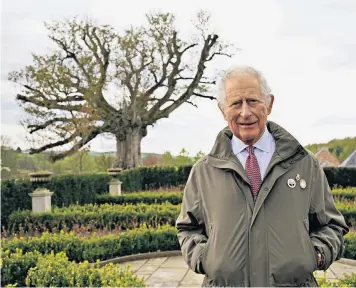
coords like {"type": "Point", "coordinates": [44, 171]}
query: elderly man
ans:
{"type": "Point", "coordinates": [257, 210]}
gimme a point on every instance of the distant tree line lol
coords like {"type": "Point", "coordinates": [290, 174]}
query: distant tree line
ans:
{"type": "Point", "coordinates": [17, 164]}
{"type": "Point", "coordinates": [341, 148]}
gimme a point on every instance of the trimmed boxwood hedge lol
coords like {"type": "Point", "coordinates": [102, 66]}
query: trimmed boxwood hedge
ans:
{"type": "Point", "coordinates": [94, 217]}
{"type": "Point", "coordinates": [19, 255]}
{"type": "Point", "coordinates": [67, 190]}
{"type": "Point", "coordinates": [114, 216]}
{"type": "Point", "coordinates": [147, 197]}
{"type": "Point", "coordinates": [142, 240]}
{"type": "Point", "coordinates": [82, 189]}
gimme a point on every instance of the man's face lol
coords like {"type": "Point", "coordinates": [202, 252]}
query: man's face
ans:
{"type": "Point", "coordinates": [246, 108]}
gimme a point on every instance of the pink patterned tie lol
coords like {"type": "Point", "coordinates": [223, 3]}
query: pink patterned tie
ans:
{"type": "Point", "coordinates": [253, 172]}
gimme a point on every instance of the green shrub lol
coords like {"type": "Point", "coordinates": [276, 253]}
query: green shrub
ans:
{"type": "Point", "coordinates": [79, 249]}
{"type": "Point", "coordinates": [345, 281]}
{"type": "Point", "coordinates": [15, 265]}
{"type": "Point", "coordinates": [348, 210]}
{"type": "Point", "coordinates": [54, 270]}
{"type": "Point", "coordinates": [147, 197]}
{"type": "Point", "coordinates": [69, 189]}
{"type": "Point", "coordinates": [83, 188]}
{"type": "Point", "coordinates": [344, 194]}
{"type": "Point", "coordinates": [140, 240]}
{"type": "Point", "coordinates": [350, 246]}
{"type": "Point", "coordinates": [108, 216]}
{"type": "Point", "coordinates": [341, 176]}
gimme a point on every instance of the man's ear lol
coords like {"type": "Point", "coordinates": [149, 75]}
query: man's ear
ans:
{"type": "Point", "coordinates": [222, 110]}
{"type": "Point", "coordinates": [269, 108]}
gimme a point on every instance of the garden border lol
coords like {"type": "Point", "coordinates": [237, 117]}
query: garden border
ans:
{"type": "Point", "coordinates": [158, 254]}
{"type": "Point", "coordinates": [140, 256]}
{"type": "Point", "coordinates": [346, 261]}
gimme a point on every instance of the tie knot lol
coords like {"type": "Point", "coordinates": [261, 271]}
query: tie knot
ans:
{"type": "Point", "coordinates": [250, 150]}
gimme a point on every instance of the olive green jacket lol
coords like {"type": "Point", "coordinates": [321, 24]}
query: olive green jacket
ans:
{"type": "Point", "coordinates": [235, 242]}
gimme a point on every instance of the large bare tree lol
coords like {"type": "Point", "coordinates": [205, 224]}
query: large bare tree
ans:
{"type": "Point", "coordinates": [97, 81]}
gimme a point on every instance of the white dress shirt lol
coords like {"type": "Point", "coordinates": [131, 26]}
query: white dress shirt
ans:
{"type": "Point", "coordinates": [264, 149]}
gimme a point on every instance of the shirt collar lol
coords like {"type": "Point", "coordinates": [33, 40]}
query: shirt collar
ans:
{"type": "Point", "coordinates": [264, 143]}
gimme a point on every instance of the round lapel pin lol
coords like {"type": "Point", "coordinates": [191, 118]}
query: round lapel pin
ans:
{"type": "Point", "coordinates": [303, 184]}
{"type": "Point", "coordinates": [291, 183]}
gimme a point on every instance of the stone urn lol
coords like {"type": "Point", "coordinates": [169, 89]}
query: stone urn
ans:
{"type": "Point", "coordinates": [41, 197]}
{"type": "Point", "coordinates": [115, 183]}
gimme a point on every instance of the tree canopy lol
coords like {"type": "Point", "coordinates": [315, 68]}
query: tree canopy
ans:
{"type": "Point", "coordinates": [99, 81]}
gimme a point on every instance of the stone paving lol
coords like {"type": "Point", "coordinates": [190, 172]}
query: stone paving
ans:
{"type": "Point", "coordinates": [174, 272]}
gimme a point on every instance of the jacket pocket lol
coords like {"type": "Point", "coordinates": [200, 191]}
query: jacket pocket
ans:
{"type": "Point", "coordinates": [292, 255]}
{"type": "Point", "coordinates": [206, 249]}
{"type": "Point", "coordinates": [310, 244]}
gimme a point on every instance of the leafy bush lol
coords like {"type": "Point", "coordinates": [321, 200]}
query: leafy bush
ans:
{"type": "Point", "coordinates": [67, 190]}
{"type": "Point", "coordinates": [341, 176]}
{"type": "Point", "coordinates": [83, 188]}
{"type": "Point", "coordinates": [348, 280]}
{"type": "Point", "coordinates": [108, 216]}
{"type": "Point", "coordinates": [147, 197]}
{"type": "Point", "coordinates": [348, 210]}
{"type": "Point", "coordinates": [140, 240]}
{"type": "Point", "coordinates": [54, 270]}
{"type": "Point", "coordinates": [345, 281]}
{"type": "Point", "coordinates": [79, 249]}
{"type": "Point", "coordinates": [344, 194]}
{"type": "Point", "coordinates": [15, 265]}
{"type": "Point", "coordinates": [350, 243]}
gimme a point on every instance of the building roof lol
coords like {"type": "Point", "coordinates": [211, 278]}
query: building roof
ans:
{"type": "Point", "coordinates": [326, 158]}
{"type": "Point", "coordinates": [350, 161]}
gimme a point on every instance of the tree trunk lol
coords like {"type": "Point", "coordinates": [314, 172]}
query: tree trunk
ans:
{"type": "Point", "coordinates": [128, 149]}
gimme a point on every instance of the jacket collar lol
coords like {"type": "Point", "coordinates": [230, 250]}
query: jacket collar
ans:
{"type": "Point", "coordinates": [286, 144]}
{"type": "Point", "coordinates": [263, 144]}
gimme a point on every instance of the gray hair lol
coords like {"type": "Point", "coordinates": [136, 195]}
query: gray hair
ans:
{"type": "Point", "coordinates": [239, 71]}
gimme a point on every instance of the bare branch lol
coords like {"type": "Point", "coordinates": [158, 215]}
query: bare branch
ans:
{"type": "Point", "coordinates": [204, 96]}
{"type": "Point", "coordinates": [76, 147]}
{"type": "Point", "coordinates": [50, 104]}
{"type": "Point", "coordinates": [48, 123]}
{"type": "Point", "coordinates": [201, 82]}
{"type": "Point", "coordinates": [189, 47]}
{"type": "Point", "coordinates": [192, 103]}
{"type": "Point", "coordinates": [55, 144]}
{"type": "Point", "coordinates": [209, 42]}
{"type": "Point", "coordinates": [73, 56]}
{"type": "Point", "coordinates": [218, 53]}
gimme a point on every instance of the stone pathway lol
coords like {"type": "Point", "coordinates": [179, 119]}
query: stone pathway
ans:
{"type": "Point", "coordinates": [174, 272]}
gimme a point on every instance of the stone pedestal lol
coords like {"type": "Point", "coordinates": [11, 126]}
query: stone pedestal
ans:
{"type": "Point", "coordinates": [115, 187]}
{"type": "Point", "coordinates": [41, 200]}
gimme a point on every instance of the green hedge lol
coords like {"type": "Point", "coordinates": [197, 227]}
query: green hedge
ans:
{"type": "Point", "coordinates": [67, 190]}
{"type": "Point", "coordinates": [350, 243]}
{"type": "Point", "coordinates": [147, 197]}
{"type": "Point", "coordinates": [15, 266]}
{"type": "Point", "coordinates": [344, 194]}
{"type": "Point", "coordinates": [82, 188]}
{"type": "Point", "coordinates": [175, 197]}
{"type": "Point", "coordinates": [341, 176]}
{"type": "Point", "coordinates": [79, 249]}
{"type": "Point", "coordinates": [115, 216]}
{"type": "Point", "coordinates": [105, 216]}
{"type": "Point", "coordinates": [348, 210]}
{"type": "Point", "coordinates": [54, 270]}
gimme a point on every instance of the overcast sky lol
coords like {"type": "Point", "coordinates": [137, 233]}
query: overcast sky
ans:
{"type": "Point", "coordinates": [306, 50]}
